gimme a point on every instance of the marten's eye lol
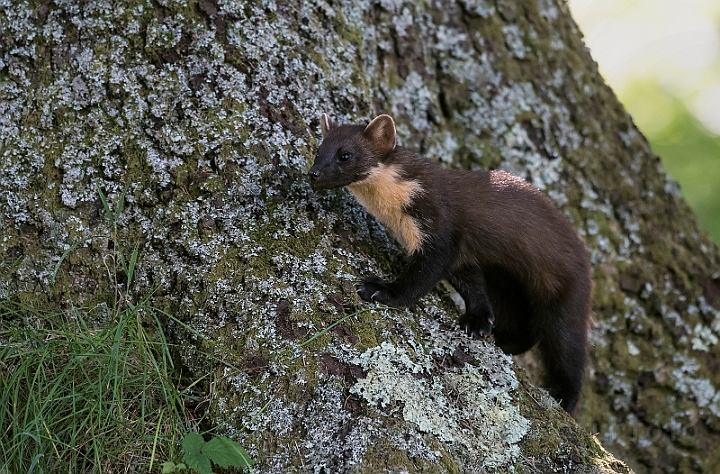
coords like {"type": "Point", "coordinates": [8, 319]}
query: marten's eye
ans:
{"type": "Point", "coordinates": [345, 156]}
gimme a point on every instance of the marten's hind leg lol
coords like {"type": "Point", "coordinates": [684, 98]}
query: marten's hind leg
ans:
{"type": "Point", "coordinates": [479, 317]}
{"type": "Point", "coordinates": [513, 330]}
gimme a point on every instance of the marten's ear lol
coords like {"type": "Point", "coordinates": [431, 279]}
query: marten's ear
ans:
{"type": "Point", "coordinates": [325, 125]}
{"type": "Point", "coordinates": [381, 133]}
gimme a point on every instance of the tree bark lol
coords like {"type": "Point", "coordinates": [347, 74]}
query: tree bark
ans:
{"type": "Point", "coordinates": [206, 115]}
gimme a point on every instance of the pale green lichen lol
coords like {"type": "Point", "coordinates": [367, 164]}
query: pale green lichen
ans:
{"type": "Point", "coordinates": [462, 408]}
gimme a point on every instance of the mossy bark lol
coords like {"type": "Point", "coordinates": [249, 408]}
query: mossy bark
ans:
{"type": "Point", "coordinates": [206, 115]}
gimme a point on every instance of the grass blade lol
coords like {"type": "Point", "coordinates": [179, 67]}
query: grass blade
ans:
{"type": "Point", "coordinates": [57, 265]}
{"type": "Point", "coordinates": [131, 266]}
{"type": "Point", "coordinates": [105, 203]}
{"type": "Point", "coordinates": [121, 205]}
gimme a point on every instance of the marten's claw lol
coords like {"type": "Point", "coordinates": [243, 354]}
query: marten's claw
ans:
{"type": "Point", "coordinates": [476, 327]}
{"type": "Point", "coordinates": [372, 289]}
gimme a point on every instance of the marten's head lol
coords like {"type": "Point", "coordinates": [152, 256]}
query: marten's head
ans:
{"type": "Point", "coordinates": [348, 153]}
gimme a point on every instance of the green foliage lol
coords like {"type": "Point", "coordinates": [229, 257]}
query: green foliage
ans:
{"type": "Point", "coordinates": [220, 450]}
{"type": "Point", "coordinates": [82, 397]}
{"type": "Point", "coordinates": [170, 467]}
{"type": "Point", "coordinates": [75, 397]}
{"type": "Point", "coordinates": [89, 390]}
{"type": "Point", "coordinates": [192, 445]}
{"type": "Point", "coordinates": [225, 452]}
{"type": "Point", "coordinates": [113, 215]}
{"type": "Point", "coordinates": [689, 153]}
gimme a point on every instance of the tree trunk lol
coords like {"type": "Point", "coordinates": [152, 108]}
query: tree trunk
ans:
{"type": "Point", "coordinates": [207, 116]}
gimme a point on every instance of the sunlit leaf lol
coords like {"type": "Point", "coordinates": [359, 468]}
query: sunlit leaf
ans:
{"type": "Point", "coordinates": [226, 452]}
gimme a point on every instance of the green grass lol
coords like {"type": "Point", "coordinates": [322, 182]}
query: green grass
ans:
{"type": "Point", "coordinates": [78, 396]}
{"type": "Point", "coordinates": [81, 398]}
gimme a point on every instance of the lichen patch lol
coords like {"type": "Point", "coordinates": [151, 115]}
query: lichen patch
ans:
{"type": "Point", "coordinates": [461, 408]}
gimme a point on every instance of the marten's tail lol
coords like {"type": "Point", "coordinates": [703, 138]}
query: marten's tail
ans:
{"type": "Point", "coordinates": [563, 344]}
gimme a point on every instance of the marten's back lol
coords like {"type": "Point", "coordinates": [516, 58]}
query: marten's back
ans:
{"type": "Point", "coordinates": [499, 220]}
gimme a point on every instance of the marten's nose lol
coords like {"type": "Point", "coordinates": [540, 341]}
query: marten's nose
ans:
{"type": "Point", "coordinates": [314, 174]}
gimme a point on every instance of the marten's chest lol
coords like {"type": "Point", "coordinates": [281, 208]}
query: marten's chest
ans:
{"type": "Point", "coordinates": [386, 195]}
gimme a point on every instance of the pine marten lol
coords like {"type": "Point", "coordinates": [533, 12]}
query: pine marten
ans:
{"type": "Point", "coordinates": [509, 252]}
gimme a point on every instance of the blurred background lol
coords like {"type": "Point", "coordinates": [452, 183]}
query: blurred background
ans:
{"type": "Point", "coordinates": [662, 58]}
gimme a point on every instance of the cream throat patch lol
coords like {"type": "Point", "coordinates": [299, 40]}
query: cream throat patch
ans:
{"type": "Point", "coordinates": [385, 194]}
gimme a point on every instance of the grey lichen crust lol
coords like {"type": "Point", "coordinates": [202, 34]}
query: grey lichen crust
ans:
{"type": "Point", "coordinates": [470, 413]}
{"type": "Point", "coordinates": [205, 114]}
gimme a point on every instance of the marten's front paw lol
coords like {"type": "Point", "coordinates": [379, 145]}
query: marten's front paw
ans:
{"type": "Point", "coordinates": [373, 289]}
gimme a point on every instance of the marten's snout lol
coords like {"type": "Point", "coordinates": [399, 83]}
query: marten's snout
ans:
{"type": "Point", "coordinates": [316, 178]}
{"type": "Point", "coordinates": [314, 175]}
{"type": "Point", "coordinates": [323, 178]}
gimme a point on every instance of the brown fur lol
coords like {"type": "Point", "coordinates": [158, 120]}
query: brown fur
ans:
{"type": "Point", "coordinates": [514, 258]}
